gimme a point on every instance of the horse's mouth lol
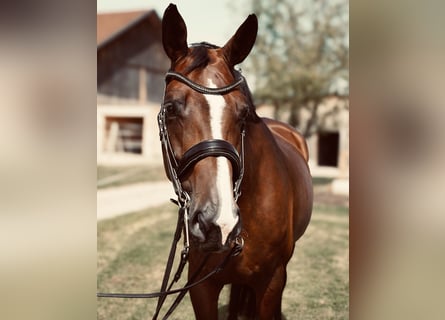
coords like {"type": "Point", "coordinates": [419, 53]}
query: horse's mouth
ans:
{"type": "Point", "coordinates": [213, 242]}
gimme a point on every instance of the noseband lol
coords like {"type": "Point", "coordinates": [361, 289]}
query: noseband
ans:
{"type": "Point", "coordinates": [178, 169]}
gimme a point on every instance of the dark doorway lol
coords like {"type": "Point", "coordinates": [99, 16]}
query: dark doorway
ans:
{"type": "Point", "coordinates": [328, 144]}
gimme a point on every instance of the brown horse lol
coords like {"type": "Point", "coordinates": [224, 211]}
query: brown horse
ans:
{"type": "Point", "coordinates": [207, 100]}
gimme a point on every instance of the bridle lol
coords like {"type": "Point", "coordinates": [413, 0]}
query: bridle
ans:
{"type": "Point", "coordinates": [177, 170]}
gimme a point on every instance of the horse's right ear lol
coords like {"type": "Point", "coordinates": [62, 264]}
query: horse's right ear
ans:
{"type": "Point", "coordinates": [239, 46]}
{"type": "Point", "coordinates": [174, 33]}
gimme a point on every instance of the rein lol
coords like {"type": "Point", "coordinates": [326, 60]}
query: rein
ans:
{"type": "Point", "coordinates": [178, 169]}
{"type": "Point", "coordinates": [233, 252]}
{"type": "Point", "coordinates": [192, 282]}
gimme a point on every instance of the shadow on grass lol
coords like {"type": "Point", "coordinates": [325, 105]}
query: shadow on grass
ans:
{"type": "Point", "coordinates": [321, 180]}
{"type": "Point", "coordinates": [115, 176]}
{"type": "Point", "coordinates": [223, 313]}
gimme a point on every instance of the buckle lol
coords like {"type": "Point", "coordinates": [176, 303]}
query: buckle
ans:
{"type": "Point", "coordinates": [238, 247]}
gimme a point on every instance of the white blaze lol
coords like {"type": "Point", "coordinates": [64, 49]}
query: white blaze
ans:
{"type": "Point", "coordinates": [227, 217]}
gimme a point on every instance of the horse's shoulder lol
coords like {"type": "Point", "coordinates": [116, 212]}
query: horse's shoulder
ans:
{"type": "Point", "coordinates": [288, 134]}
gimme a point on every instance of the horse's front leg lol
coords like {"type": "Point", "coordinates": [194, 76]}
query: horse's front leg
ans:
{"type": "Point", "coordinates": [205, 300]}
{"type": "Point", "coordinates": [270, 294]}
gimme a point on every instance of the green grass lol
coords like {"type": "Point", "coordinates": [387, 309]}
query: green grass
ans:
{"type": "Point", "coordinates": [321, 180]}
{"type": "Point", "coordinates": [109, 176]}
{"type": "Point", "coordinates": [114, 176]}
{"type": "Point", "coordinates": [318, 274]}
{"type": "Point", "coordinates": [133, 249]}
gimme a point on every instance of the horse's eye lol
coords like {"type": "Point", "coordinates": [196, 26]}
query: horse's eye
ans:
{"type": "Point", "coordinates": [170, 108]}
{"type": "Point", "coordinates": [173, 109]}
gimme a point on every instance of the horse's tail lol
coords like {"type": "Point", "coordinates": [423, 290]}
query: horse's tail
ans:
{"type": "Point", "coordinates": [242, 302]}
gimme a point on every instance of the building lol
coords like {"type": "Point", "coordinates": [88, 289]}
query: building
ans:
{"type": "Point", "coordinates": [131, 64]}
{"type": "Point", "coordinates": [329, 140]}
{"type": "Point", "coordinates": [329, 144]}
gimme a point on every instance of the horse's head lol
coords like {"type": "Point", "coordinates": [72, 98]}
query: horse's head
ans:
{"type": "Point", "coordinates": [204, 127]}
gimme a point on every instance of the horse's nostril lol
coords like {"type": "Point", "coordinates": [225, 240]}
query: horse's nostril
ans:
{"type": "Point", "coordinates": [203, 225]}
{"type": "Point", "coordinates": [198, 219]}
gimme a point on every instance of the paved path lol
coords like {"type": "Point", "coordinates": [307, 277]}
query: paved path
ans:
{"type": "Point", "coordinates": [115, 201]}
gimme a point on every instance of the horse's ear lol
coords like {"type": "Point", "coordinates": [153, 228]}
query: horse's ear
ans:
{"type": "Point", "coordinates": [174, 33]}
{"type": "Point", "coordinates": [239, 46]}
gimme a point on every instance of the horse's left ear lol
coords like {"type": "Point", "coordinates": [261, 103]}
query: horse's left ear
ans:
{"type": "Point", "coordinates": [239, 46]}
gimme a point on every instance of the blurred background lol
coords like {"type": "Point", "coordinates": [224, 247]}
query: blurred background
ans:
{"type": "Point", "coordinates": [397, 147]}
{"type": "Point", "coordinates": [50, 150]}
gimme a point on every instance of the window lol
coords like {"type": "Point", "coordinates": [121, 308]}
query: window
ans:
{"type": "Point", "coordinates": [155, 86]}
{"type": "Point", "coordinates": [124, 83]}
{"type": "Point", "coordinates": [123, 135]}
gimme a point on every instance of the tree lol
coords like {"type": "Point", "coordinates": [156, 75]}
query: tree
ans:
{"type": "Point", "coordinates": [301, 51]}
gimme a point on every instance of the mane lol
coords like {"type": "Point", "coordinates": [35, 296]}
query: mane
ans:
{"type": "Point", "coordinates": [244, 87]}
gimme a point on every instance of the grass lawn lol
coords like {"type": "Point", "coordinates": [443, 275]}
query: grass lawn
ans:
{"type": "Point", "coordinates": [109, 176]}
{"type": "Point", "coordinates": [114, 176]}
{"type": "Point", "coordinates": [132, 251]}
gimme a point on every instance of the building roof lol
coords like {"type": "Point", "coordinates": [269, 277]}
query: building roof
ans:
{"type": "Point", "coordinates": [109, 25]}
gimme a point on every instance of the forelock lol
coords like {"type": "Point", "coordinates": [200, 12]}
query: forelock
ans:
{"type": "Point", "coordinates": [199, 56]}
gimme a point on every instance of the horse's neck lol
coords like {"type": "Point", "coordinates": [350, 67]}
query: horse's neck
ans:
{"type": "Point", "coordinates": [260, 147]}
{"type": "Point", "coordinates": [260, 137]}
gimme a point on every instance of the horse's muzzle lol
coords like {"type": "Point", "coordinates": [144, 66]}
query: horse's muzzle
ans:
{"type": "Point", "coordinates": [207, 235]}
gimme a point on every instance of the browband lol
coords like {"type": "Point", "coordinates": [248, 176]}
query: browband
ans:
{"type": "Point", "coordinates": [201, 89]}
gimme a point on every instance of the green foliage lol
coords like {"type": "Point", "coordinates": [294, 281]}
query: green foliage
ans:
{"type": "Point", "coordinates": [301, 52]}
